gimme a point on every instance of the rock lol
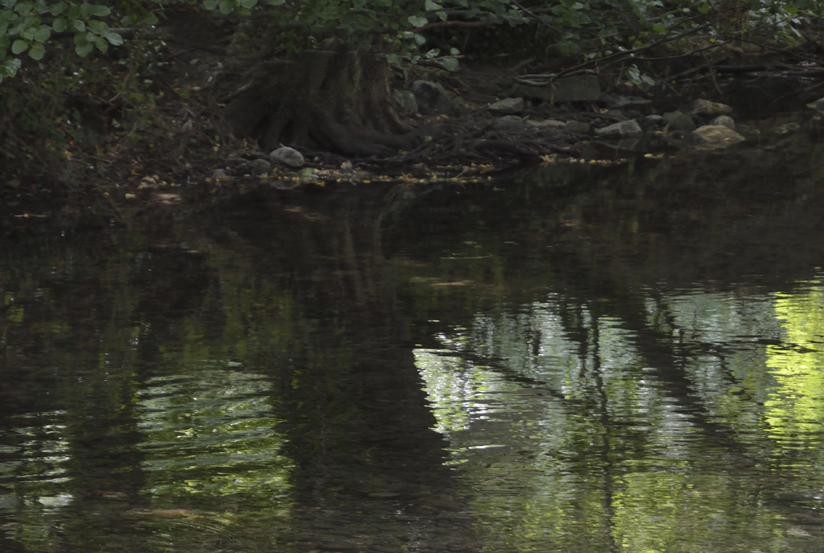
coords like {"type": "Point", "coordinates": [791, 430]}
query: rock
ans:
{"type": "Point", "coordinates": [705, 107]}
{"type": "Point", "coordinates": [509, 123]}
{"type": "Point", "coordinates": [405, 99]}
{"type": "Point", "coordinates": [653, 120]}
{"type": "Point", "coordinates": [786, 128]}
{"type": "Point", "coordinates": [221, 174]}
{"type": "Point", "coordinates": [616, 115]}
{"type": "Point", "coordinates": [548, 124]}
{"type": "Point", "coordinates": [580, 88]}
{"type": "Point", "coordinates": [679, 122]}
{"type": "Point", "coordinates": [287, 156]}
{"type": "Point", "coordinates": [818, 105]}
{"type": "Point", "coordinates": [613, 101]}
{"type": "Point", "coordinates": [578, 127]}
{"type": "Point", "coordinates": [255, 167]}
{"type": "Point", "coordinates": [431, 98]}
{"type": "Point", "coordinates": [622, 128]}
{"type": "Point", "coordinates": [670, 115]}
{"type": "Point", "coordinates": [713, 137]}
{"type": "Point", "coordinates": [725, 120]}
{"type": "Point", "coordinates": [507, 106]}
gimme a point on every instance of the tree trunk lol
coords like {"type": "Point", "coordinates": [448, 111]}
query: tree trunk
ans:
{"type": "Point", "coordinates": [335, 101]}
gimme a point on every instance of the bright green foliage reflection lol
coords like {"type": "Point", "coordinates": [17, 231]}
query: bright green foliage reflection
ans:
{"type": "Point", "coordinates": [795, 408]}
{"type": "Point", "coordinates": [212, 433]}
{"type": "Point", "coordinates": [589, 446]}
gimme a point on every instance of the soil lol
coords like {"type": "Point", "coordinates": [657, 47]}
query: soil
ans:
{"type": "Point", "coordinates": [183, 151]}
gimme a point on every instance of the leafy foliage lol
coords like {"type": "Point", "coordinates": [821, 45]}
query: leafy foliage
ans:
{"type": "Point", "coordinates": [592, 27]}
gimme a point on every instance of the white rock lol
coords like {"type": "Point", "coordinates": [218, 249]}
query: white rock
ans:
{"type": "Point", "coordinates": [287, 156]}
{"type": "Point", "coordinates": [621, 128]}
{"type": "Point", "coordinates": [705, 107]}
{"type": "Point", "coordinates": [713, 137]}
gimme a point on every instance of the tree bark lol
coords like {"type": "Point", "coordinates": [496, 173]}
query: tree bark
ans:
{"type": "Point", "coordinates": [336, 101]}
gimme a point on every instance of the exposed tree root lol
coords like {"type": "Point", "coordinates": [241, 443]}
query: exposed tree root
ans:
{"type": "Point", "coordinates": [337, 101]}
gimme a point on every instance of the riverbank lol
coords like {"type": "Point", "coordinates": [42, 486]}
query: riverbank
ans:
{"type": "Point", "coordinates": [473, 124]}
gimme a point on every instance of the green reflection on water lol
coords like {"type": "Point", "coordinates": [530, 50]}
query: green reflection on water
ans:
{"type": "Point", "coordinates": [212, 433]}
{"type": "Point", "coordinates": [575, 441]}
{"type": "Point", "coordinates": [795, 408]}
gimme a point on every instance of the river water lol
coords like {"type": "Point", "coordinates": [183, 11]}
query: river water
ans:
{"type": "Point", "coordinates": [584, 359]}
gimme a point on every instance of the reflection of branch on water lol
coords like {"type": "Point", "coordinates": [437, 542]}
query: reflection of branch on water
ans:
{"type": "Point", "coordinates": [499, 365]}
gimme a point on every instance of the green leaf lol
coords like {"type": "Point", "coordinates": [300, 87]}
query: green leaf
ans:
{"type": "Point", "coordinates": [419, 40]}
{"type": "Point", "coordinates": [19, 46]}
{"type": "Point", "coordinates": [454, 51]}
{"type": "Point", "coordinates": [101, 11]}
{"type": "Point", "coordinates": [37, 51]}
{"type": "Point", "coordinates": [416, 20]}
{"type": "Point", "coordinates": [59, 24]}
{"type": "Point", "coordinates": [98, 27]}
{"type": "Point", "coordinates": [101, 44]}
{"type": "Point", "coordinates": [78, 26]}
{"type": "Point", "coordinates": [58, 8]}
{"type": "Point", "coordinates": [393, 58]}
{"type": "Point", "coordinates": [450, 64]}
{"type": "Point", "coordinates": [86, 10]}
{"type": "Point", "coordinates": [704, 8]}
{"type": "Point", "coordinates": [42, 34]}
{"type": "Point", "coordinates": [442, 15]}
{"type": "Point", "coordinates": [23, 8]}
{"type": "Point", "coordinates": [431, 6]}
{"type": "Point", "coordinates": [226, 7]}
{"type": "Point", "coordinates": [10, 67]}
{"type": "Point", "coordinates": [248, 4]}
{"type": "Point", "coordinates": [275, 2]}
{"type": "Point", "coordinates": [83, 50]}
{"type": "Point", "coordinates": [114, 39]}
{"type": "Point", "coordinates": [210, 4]}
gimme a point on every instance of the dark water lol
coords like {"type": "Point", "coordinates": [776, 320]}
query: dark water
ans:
{"type": "Point", "coordinates": [587, 359]}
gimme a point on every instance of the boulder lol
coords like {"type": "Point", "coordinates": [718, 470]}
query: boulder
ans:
{"type": "Point", "coordinates": [725, 120]}
{"type": "Point", "coordinates": [287, 156]}
{"type": "Point", "coordinates": [547, 124]}
{"type": "Point", "coordinates": [653, 120]}
{"type": "Point", "coordinates": [714, 137]}
{"type": "Point", "coordinates": [705, 107]}
{"type": "Point", "coordinates": [578, 127]}
{"type": "Point", "coordinates": [431, 98]}
{"type": "Point", "coordinates": [255, 167]}
{"type": "Point", "coordinates": [405, 99]}
{"type": "Point", "coordinates": [508, 123]}
{"type": "Point", "coordinates": [677, 121]}
{"type": "Point", "coordinates": [614, 101]}
{"type": "Point", "coordinates": [622, 128]}
{"type": "Point", "coordinates": [580, 88]}
{"type": "Point", "coordinates": [507, 106]}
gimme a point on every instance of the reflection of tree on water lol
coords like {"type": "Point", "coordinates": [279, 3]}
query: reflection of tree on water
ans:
{"type": "Point", "coordinates": [657, 442]}
{"type": "Point", "coordinates": [369, 471]}
{"type": "Point", "coordinates": [585, 404]}
{"type": "Point", "coordinates": [617, 461]}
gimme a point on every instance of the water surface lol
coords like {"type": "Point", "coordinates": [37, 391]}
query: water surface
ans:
{"type": "Point", "coordinates": [586, 359]}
